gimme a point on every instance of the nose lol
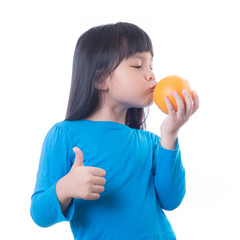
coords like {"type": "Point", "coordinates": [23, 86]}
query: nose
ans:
{"type": "Point", "coordinates": [149, 76]}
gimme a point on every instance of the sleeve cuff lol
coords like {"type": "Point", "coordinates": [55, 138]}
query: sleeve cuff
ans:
{"type": "Point", "coordinates": [70, 210]}
{"type": "Point", "coordinates": [168, 151]}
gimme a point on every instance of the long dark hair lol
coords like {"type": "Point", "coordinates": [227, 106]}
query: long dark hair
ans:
{"type": "Point", "coordinates": [97, 54]}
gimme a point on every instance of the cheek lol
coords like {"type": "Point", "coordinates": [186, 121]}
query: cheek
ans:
{"type": "Point", "coordinates": [132, 90]}
{"type": "Point", "coordinates": [128, 87]}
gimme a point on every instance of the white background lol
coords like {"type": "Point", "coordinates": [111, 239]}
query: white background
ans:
{"type": "Point", "coordinates": [198, 40]}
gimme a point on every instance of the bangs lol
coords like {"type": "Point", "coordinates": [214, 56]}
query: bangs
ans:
{"type": "Point", "coordinates": [133, 40]}
{"type": "Point", "coordinates": [120, 41]}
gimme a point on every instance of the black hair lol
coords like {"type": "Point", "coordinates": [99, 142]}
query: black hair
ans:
{"type": "Point", "coordinates": [97, 54]}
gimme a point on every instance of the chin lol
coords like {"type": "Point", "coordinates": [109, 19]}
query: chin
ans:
{"type": "Point", "coordinates": [142, 104]}
{"type": "Point", "coordinates": [149, 103]}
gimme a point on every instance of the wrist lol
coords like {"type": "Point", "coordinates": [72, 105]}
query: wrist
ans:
{"type": "Point", "coordinates": [169, 141]}
{"type": "Point", "coordinates": [63, 195]}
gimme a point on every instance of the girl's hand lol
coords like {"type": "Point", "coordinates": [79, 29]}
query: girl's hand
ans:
{"type": "Point", "coordinates": [176, 119]}
{"type": "Point", "coordinates": [81, 182]}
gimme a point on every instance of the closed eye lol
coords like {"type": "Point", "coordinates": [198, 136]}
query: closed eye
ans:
{"type": "Point", "coordinates": [138, 67]}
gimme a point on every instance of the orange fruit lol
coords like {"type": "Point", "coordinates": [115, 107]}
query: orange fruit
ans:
{"type": "Point", "coordinates": [166, 87]}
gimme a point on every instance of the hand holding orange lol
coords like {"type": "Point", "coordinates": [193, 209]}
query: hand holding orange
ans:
{"type": "Point", "coordinates": [166, 87]}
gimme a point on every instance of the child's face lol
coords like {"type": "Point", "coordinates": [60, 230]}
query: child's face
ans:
{"type": "Point", "coordinates": [132, 83]}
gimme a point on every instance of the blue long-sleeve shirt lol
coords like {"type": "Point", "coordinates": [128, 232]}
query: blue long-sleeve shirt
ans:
{"type": "Point", "coordinates": [142, 178]}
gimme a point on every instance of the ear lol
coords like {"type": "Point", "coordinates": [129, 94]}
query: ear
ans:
{"type": "Point", "coordinates": [101, 86]}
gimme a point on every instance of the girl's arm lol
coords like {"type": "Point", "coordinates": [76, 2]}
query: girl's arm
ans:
{"type": "Point", "coordinates": [55, 162]}
{"type": "Point", "coordinates": [169, 176]}
{"type": "Point", "coordinates": [169, 173]}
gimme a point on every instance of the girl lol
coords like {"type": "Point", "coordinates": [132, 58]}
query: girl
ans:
{"type": "Point", "coordinates": [99, 168]}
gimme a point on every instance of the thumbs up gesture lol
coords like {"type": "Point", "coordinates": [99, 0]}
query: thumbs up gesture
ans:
{"type": "Point", "coordinates": [81, 182]}
{"type": "Point", "coordinates": [86, 182]}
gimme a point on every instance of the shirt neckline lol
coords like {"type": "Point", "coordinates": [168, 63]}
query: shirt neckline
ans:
{"type": "Point", "coordinates": [106, 123]}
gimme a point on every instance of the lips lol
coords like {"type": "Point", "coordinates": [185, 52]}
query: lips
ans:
{"type": "Point", "coordinates": [152, 88]}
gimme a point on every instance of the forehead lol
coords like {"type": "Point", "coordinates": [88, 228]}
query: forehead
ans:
{"type": "Point", "coordinates": [142, 56]}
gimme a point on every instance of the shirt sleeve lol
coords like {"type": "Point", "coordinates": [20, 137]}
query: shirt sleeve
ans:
{"type": "Point", "coordinates": [169, 175]}
{"type": "Point", "coordinates": [55, 162]}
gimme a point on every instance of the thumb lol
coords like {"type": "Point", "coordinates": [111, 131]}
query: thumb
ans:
{"type": "Point", "coordinates": [78, 157]}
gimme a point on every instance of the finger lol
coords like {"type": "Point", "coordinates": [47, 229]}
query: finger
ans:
{"type": "Point", "coordinates": [99, 180]}
{"type": "Point", "coordinates": [180, 103]}
{"type": "Point", "coordinates": [195, 102]}
{"type": "Point", "coordinates": [169, 105]}
{"type": "Point", "coordinates": [98, 189]}
{"type": "Point", "coordinates": [189, 102]}
{"type": "Point", "coordinates": [93, 196]}
{"type": "Point", "coordinates": [78, 157]}
{"type": "Point", "coordinates": [99, 172]}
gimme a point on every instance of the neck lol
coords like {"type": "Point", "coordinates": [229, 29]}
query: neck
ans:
{"type": "Point", "coordinates": [108, 114]}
